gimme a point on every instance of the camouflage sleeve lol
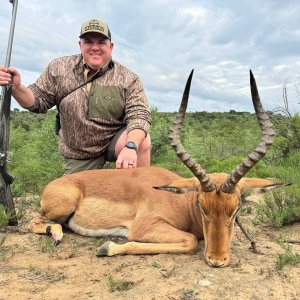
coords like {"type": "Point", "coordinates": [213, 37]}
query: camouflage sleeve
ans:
{"type": "Point", "coordinates": [44, 90]}
{"type": "Point", "coordinates": [137, 110]}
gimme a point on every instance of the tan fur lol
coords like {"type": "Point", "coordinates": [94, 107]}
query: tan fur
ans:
{"type": "Point", "coordinates": [100, 202]}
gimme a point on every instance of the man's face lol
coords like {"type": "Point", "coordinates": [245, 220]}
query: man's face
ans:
{"type": "Point", "coordinates": [96, 49]}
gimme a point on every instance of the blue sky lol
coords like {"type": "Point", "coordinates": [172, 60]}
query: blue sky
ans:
{"type": "Point", "coordinates": [162, 40]}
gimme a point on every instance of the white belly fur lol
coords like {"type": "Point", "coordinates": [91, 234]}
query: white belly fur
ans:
{"type": "Point", "coordinates": [120, 232]}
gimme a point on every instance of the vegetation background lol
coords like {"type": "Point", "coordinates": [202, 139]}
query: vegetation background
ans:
{"type": "Point", "coordinates": [218, 141]}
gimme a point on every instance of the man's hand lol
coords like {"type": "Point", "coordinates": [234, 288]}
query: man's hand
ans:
{"type": "Point", "coordinates": [22, 94]}
{"type": "Point", "coordinates": [126, 159]}
{"type": "Point", "coordinates": [9, 76]}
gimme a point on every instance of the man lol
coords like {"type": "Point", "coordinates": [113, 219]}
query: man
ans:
{"type": "Point", "coordinates": [105, 120]}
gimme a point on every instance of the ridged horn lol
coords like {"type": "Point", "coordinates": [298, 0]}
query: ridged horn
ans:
{"type": "Point", "coordinates": [259, 152]}
{"type": "Point", "coordinates": [203, 177]}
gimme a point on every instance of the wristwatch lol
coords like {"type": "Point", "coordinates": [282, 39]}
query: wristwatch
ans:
{"type": "Point", "coordinates": [131, 145]}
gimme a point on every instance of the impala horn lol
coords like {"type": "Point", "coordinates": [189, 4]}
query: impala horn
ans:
{"type": "Point", "coordinates": [259, 152]}
{"type": "Point", "coordinates": [203, 177]}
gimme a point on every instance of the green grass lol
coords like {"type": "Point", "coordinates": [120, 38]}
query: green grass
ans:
{"type": "Point", "coordinates": [5, 251]}
{"type": "Point", "coordinates": [3, 217]}
{"type": "Point", "coordinates": [155, 264]}
{"type": "Point", "coordinates": [48, 274]}
{"type": "Point", "coordinates": [47, 245]}
{"type": "Point", "coordinates": [119, 285]}
{"type": "Point", "coordinates": [288, 257]}
{"type": "Point", "coordinates": [6, 214]}
{"type": "Point", "coordinates": [189, 294]}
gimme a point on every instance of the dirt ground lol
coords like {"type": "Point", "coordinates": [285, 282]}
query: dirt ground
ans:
{"type": "Point", "coordinates": [31, 268]}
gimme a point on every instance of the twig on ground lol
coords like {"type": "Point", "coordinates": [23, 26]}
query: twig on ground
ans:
{"type": "Point", "coordinates": [292, 241]}
{"type": "Point", "coordinates": [250, 238]}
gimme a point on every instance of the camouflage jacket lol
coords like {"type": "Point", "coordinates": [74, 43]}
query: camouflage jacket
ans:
{"type": "Point", "coordinates": [90, 120]}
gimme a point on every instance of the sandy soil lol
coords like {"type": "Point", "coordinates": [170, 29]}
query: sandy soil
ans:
{"type": "Point", "coordinates": [31, 268]}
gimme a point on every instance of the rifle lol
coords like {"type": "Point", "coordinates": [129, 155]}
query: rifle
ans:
{"type": "Point", "coordinates": [7, 179]}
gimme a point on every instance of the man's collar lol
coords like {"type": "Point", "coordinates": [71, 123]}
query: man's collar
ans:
{"type": "Point", "coordinates": [109, 65]}
{"type": "Point", "coordinates": [80, 67]}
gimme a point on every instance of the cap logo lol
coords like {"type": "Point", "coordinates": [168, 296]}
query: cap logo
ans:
{"type": "Point", "coordinates": [93, 25]}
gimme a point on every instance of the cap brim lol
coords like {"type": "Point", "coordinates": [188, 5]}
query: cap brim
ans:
{"type": "Point", "coordinates": [94, 32]}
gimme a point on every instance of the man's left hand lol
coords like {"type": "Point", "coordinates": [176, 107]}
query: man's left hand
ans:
{"type": "Point", "coordinates": [126, 159]}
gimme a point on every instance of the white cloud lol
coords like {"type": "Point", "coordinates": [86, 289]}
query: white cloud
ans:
{"type": "Point", "coordinates": [162, 40]}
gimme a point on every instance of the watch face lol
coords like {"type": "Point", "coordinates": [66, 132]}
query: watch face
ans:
{"type": "Point", "coordinates": [131, 145]}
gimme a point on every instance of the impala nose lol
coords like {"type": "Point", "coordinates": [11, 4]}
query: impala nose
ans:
{"type": "Point", "coordinates": [218, 262]}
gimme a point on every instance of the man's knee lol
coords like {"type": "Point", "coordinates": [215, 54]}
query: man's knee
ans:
{"type": "Point", "coordinates": [78, 165]}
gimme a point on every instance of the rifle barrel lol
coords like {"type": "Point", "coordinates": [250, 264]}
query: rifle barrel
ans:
{"type": "Point", "coordinates": [6, 179]}
{"type": "Point", "coordinates": [11, 32]}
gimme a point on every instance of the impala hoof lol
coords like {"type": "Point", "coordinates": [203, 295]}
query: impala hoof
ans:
{"type": "Point", "coordinates": [48, 231]}
{"type": "Point", "coordinates": [103, 249]}
{"type": "Point", "coordinates": [55, 242]}
{"type": "Point", "coordinates": [55, 235]}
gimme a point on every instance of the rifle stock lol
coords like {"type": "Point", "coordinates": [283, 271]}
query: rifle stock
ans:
{"type": "Point", "coordinates": [6, 179]}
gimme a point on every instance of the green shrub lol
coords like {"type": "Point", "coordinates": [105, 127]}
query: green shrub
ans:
{"type": "Point", "coordinates": [3, 217]}
{"type": "Point", "coordinates": [279, 208]}
{"type": "Point", "coordinates": [217, 141]}
{"type": "Point", "coordinates": [288, 257]}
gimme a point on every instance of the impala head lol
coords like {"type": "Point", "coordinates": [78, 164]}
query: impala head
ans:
{"type": "Point", "coordinates": [218, 211]}
{"type": "Point", "coordinates": [219, 194]}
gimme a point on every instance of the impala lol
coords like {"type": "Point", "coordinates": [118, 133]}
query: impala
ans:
{"type": "Point", "coordinates": [155, 209]}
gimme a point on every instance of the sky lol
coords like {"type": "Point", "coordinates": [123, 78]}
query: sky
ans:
{"type": "Point", "coordinates": [163, 40]}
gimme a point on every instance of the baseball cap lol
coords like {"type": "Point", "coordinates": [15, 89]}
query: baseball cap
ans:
{"type": "Point", "coordinates": [95, 25]}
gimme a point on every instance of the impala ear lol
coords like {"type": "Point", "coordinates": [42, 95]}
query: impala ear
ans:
{"type": "Point", "coordinates": [181, 186]}
{"type": "Point", "coordinates": [271, 187]}
{"type": "Point", "coordinates": [260, 186]}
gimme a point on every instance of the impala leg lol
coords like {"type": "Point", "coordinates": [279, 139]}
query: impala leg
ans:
{"type": "Point", "coordinates": [43, 225]}
{"type": "Point", "coordinates": [58, 203]}
{"type": "Point", "coordinates": [160, 239]}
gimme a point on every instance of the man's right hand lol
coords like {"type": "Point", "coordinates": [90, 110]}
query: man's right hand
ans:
{"type": "Point", "coordinates": [9, 75]}
{"type": "Point", "coordinates": [22, 94]}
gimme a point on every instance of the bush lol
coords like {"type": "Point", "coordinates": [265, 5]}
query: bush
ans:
{"type": "Point", "coordinates": [288, 257]}
{"type": "Point", "coordinates": [279, 208]}
{"type": "Point", "coordinates": [218, 141]}
{"type": "Point", "coordinates": [34, 154]}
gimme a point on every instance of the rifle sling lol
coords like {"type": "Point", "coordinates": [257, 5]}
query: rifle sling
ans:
{"type": "Point", "coordinates": [97, 75]}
